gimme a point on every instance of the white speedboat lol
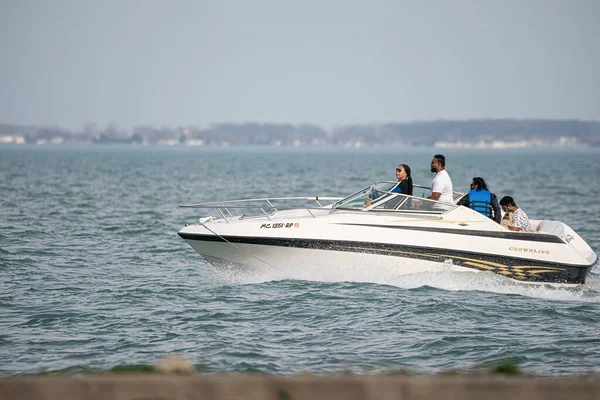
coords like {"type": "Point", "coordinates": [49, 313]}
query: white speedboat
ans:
{"type": "Point", "coordinates": [374, 226]}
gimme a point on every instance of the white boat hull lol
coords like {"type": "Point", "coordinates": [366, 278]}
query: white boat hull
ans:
{"type": "Point", "coordinates": [259, 257]}
{"type": "Point", "coordinates": [401, 241]}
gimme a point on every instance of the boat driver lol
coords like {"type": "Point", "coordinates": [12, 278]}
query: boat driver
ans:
{"type": "Point", "coordinates": [404, 185]}
{"type": "Point", "coordinates": [441, 186]}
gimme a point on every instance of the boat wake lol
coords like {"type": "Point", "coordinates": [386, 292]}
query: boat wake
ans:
{"type": "Point", "coordinates": [444, 280]}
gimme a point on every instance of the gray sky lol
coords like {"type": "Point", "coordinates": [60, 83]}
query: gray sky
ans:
{"type": "Point", "coordinates": [329, 62]}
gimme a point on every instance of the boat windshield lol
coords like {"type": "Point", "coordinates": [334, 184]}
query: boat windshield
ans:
{"type": "Point", "coordinates": [380, 197]}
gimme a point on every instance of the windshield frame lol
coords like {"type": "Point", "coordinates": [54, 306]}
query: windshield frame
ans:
{"type": "Point", "coordinates": [383, 197]}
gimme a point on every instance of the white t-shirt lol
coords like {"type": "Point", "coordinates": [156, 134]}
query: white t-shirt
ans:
{"type": "Point", "coordinates": [443, 184]}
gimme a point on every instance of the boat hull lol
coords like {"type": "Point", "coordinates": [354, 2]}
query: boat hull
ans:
{"type": "Point", "coordinates": [281, 252]}
{"type": "Point", "coordinates": [406, 234]}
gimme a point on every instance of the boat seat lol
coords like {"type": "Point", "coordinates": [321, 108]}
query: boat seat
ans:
{"type": "Point", "coordinates": [551, 228]}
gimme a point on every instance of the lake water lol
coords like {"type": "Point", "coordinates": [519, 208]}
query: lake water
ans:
{"type": "Point", "coordinates": [93, 274]}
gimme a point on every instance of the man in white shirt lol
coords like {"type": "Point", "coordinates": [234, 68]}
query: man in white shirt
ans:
{"type": "Point", "coordinates": [441, 186]}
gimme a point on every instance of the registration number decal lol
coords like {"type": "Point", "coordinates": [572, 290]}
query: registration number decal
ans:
{"type": "Point", "coordinates": [280, 225]}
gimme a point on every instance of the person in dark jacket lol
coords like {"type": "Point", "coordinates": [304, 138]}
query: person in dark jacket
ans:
{"type": "Point", "coordinates": [405, 184]}
{"type": "Point", "coordinates": [482, 200]}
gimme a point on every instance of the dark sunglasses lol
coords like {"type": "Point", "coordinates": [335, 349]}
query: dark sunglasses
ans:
{"type": "Point", "coordinates": [399, 170]}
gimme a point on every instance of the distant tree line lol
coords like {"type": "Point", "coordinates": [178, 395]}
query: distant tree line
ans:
{"type": "Point", "coordinates": [427, 133]}
{"type": "Point", "coordinates": [412, 133]}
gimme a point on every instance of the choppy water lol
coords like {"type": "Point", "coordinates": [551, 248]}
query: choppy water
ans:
{"type": "Point", "coordinates": [93, 275]}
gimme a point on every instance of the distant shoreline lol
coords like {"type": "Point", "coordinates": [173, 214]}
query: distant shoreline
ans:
{"type": "Point", "coordinates": [502, 133]}
{"type": "Point", "coordinates": [443, 148]}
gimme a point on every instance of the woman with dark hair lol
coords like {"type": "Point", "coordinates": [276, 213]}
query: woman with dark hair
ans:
{"type": "Point", "coordinates": [405, 184]}
{"type": "Point", "coordinates": [482, 200]}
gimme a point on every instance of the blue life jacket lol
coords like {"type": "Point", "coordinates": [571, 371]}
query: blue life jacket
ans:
{"type": "Point", "coordinates": [481, 201]}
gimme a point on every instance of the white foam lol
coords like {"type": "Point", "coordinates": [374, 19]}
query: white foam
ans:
{"type": "Point", "coordinates": [490, 282]}
{"type": "Point", "coordinates": [445, 280]}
